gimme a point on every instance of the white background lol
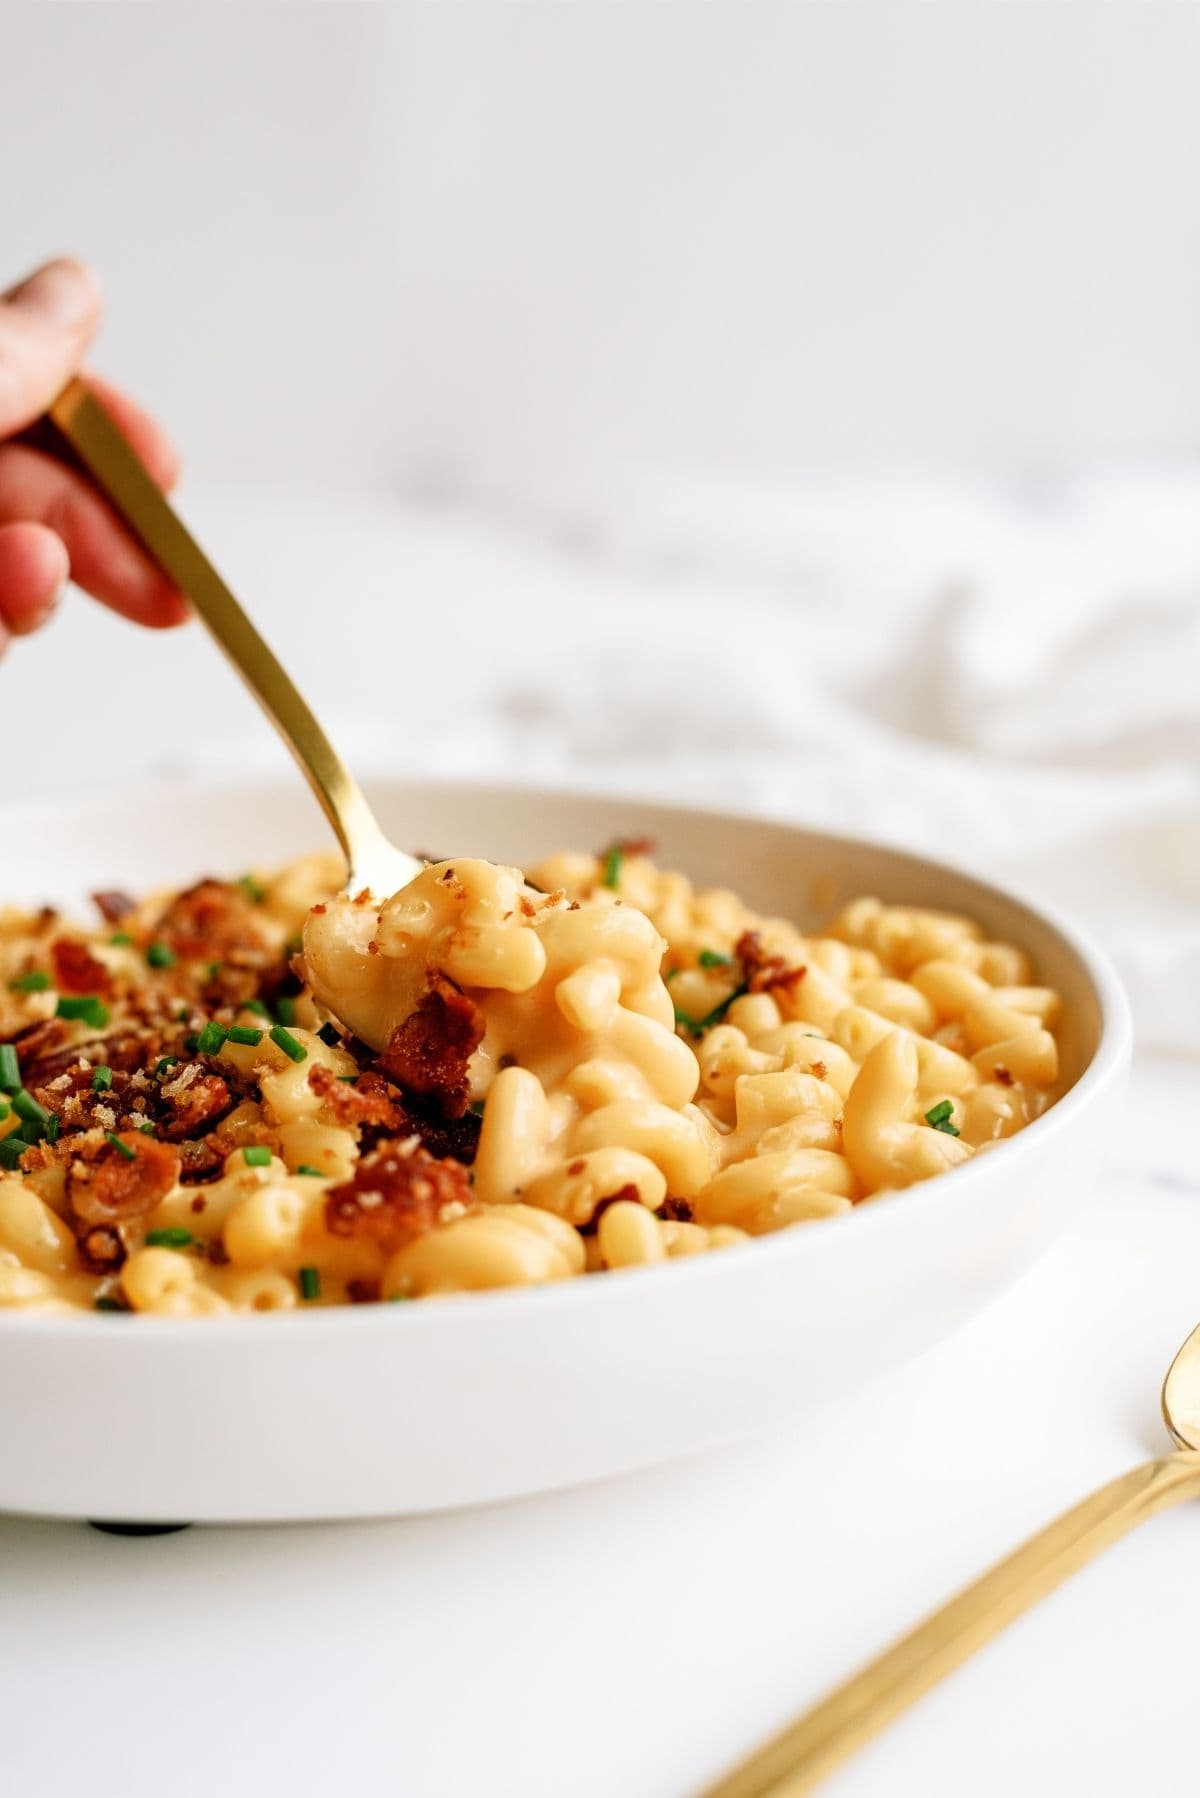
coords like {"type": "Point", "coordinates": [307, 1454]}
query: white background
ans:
{"type": "Point", "coordinates": [789, 405]}
{"type": "Point", "coordinates": [396, 242]}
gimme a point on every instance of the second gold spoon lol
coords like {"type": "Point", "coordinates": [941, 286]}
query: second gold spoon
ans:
{"type": "Point", "coordinates": [801, 1755]}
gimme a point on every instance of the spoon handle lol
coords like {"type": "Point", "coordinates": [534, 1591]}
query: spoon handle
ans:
{"type": "Point", "coordinates": [794, 1761]}
{"type": "Point", "coordinates": [83, 422]}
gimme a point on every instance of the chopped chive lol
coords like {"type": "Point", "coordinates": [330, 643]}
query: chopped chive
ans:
{"type": "Point", "coordinates": [612, 865]}
{"type": "Point", "coordinates": [31, 1132]}
{"type": "Point", "coordinates": [940, 1116]}
{"type": "Point", "coordinates": [101, 1079]}
{"type": "Point", "coordinates": [107, 1304]}
{"type": "Point", "coordinates": [697, 1026]}
{"type": "Point", "coordinates": [256, 1006]}
{"type": "Point", "coordinates": [160, 955]}
{"type": "Point", "coordinates": [211, 1038]}
{"type": "Point", "coordinates": [314, 1173]}
{"type": "Point", "coordinates": [147, 1129]}
{"type": "Point", "coordinates": [192, 1043]}
{"type": "Point", "coordinates": [27, 1107]}
{"type": "Point", "coordinates": [283, 1039]}
{"type": "Point", "coordinates": [5, 1108]}
{"type": "Point", "coordinates": [285, 1010]}
{"type": "Point", "coordinates": [710, 958]}
{"type": "Point", "coordinates": [347, 1079]}
{"type": "Point", "coordinates": [243, 1033]}
{"type": "Point", "coordinates": [718, 1011]}
{"type": "Point", "coordinates": [11, 1150]}
{"type": "Point", "coordinates": [122, 1148]}
{"type": "Point", "coordinates": [121, 939]}
{"type": "Point", "coordinates": [329, 1036]}
{"type": "Point", "coordinates": [176, 1238]}
{"type": "Point", "coordinates": [52, 1128]}
{"type": "Point", "coordinates": [212, 970]}
{"type": "Point", "coordinates": [10, 1069]}
{"type": "Point", "coordinates": [310, 1283]}
{"type": "Point", "coordinates": [477, 1106]}
{"type": "Point", "coordinates": [253, 889]}
{"type": "Point", "coordinates": [89, 1010]}
{"type": "Point", "coordinates": [257, 1155]}
{"type": "Point", "coordinates": [400, 1298]}
{"type": "Point", "coordinates": [33, 982]}
{"type": "Point", "coordinates": [166, 1064]}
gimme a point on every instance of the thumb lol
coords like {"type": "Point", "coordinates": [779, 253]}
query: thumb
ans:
{"type": "Point", "coordinates": [46, 325]}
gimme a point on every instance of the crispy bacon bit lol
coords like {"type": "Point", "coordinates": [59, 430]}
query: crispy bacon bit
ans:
{"type": "Point", "coordinates": [362, 1292]}
{"type": "Point", "coordinates": [763, 972]}
{"type": "Point", "coordinates": [428, 1054]}
{"type": "Point", "coordinates": [69, 1094]}
{"type": "Point", "coordinates": [818, 1070]}
{"type": "Point", "coordinates": [319, 910]}
{"type": "Point", "coordinates": [1002, 1074]}
{"type": "Point", "coordinates": [105, 1186]}
{"type": "Point", "coordinates": [456, 1138]}
{"type": "Point", "coordinates": [37, 1044]}
{"type": "Point", "coordinates": [677, 1211]}
{"type": "Point", "coordinates": [577, 1166]}
{"type": "Point", "coordinates": [113, 905]}
{"type": "Point", "coordinates": [213, 919]}
{"type": "Point", "coordinates": [43, 1058]}
{"type": "Point", "coordinates": [528, 908]}
{"type": "Point", "coordinates": [102, 1248]}
{"type": "Point", "coordinates": [202, 1160]}
{"type": "Point", "coordinates": [366, 1102]}
{"type": "Point", "coordinates": [624, 1194]}
{"type": "Point", "coordinates": [195, 1107]}
{"type": "Point", "coordinates": [76, 969]}
{"type": "Point", "coordinates": [395, 1195]}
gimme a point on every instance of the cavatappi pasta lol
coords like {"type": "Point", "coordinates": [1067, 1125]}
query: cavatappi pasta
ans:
{"type": "Point", "coordinates": [265, 1095]}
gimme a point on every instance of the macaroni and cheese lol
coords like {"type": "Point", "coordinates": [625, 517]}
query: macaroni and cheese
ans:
{"type": "Point", "coordinates": [270, 1095]}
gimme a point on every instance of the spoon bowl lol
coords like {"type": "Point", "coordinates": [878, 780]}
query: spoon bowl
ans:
{"type": "Point", "coordinates": [1181, 1395]}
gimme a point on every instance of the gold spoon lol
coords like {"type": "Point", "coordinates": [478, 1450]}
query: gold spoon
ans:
{"type": "Point", "coordinates": [801, 1755]}
{"type": "Point", "coordinates": [78, 419]}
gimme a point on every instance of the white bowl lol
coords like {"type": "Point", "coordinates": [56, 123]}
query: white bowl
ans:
{"type": "Point", "coordinates": [376, 1410]}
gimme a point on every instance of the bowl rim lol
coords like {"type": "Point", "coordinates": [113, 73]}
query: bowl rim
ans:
{"type": "Point", "coordinates": [507, 1304]}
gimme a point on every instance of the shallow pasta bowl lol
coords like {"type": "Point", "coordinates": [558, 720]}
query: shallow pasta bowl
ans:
{"type": "Point", "coordinates": [377, 1410]}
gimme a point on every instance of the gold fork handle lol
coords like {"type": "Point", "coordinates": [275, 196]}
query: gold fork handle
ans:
{"type": "Point", "coordinates": [793, 1761]}
{"type": "Point", "coordinates": [104, 452]}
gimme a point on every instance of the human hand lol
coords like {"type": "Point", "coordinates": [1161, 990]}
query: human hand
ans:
{"type": "Point", "coordinates": [52, 523]}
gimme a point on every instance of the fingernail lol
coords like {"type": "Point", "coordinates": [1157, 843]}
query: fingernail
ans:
{"type": "Point", "coordinates": [63, 294]}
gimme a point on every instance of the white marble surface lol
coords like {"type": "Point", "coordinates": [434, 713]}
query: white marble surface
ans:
{"type": "Point", "coordinates": [633, 1637]}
